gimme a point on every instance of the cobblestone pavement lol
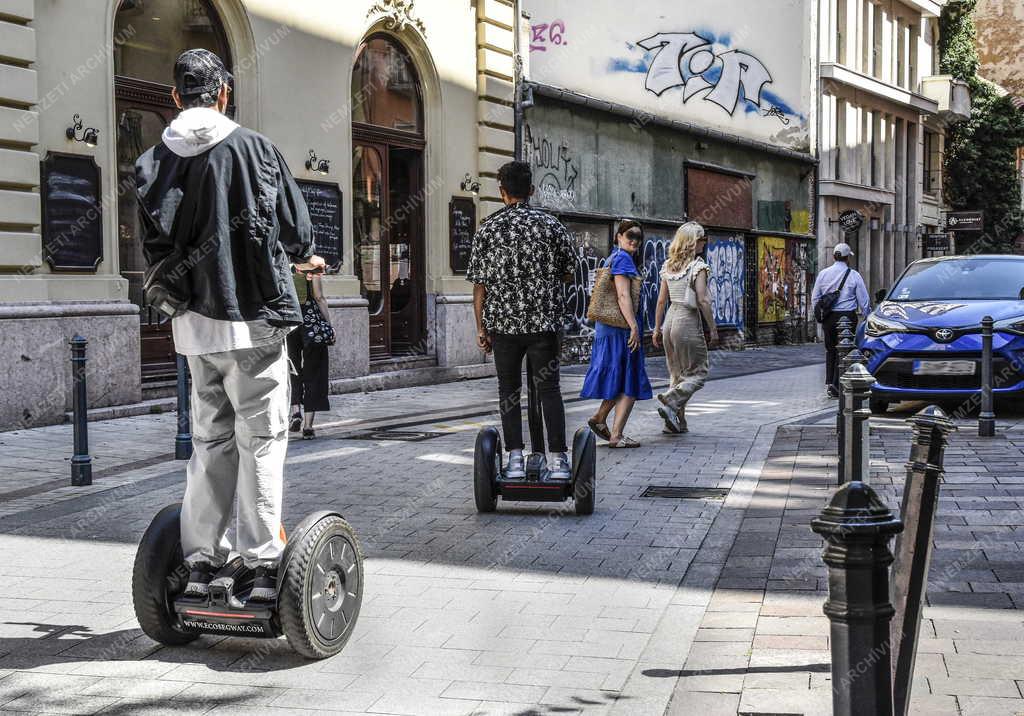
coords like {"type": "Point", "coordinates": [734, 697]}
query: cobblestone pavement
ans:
{"type": "Point", "coordinates": [762, 645]}
{"type": "Point", "coordinates": [528, 611]}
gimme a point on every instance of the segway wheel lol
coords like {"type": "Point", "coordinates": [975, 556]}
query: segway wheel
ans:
{"type": "Point", "coordinates": [584, 454]}
{"type": "Point", "coordinates": [158, 575]}
{"type": "Point", "coordinates": [322, 589]}
{"type": "Point", "coordinates": [486, 468]}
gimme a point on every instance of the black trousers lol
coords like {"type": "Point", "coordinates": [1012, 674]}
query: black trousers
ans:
{"type": "Point", "coordinates": [541, 352]}
{"type": "Point", "coordinates": [831, 330]}
{"type": "Point", "coordinates": [310, 383]}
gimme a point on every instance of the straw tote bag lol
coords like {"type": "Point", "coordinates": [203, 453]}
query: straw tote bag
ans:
{"type": "Point", "coordinates": [604, 301]}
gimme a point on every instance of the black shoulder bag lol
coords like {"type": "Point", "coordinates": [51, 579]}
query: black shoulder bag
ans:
{"type": "Point", "coordinates": [823, 308]}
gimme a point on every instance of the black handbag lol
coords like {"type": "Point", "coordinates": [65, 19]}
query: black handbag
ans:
{"type": "Point", "coordinates": [823, 308]}
{"type": "Point", "coordinates": [316, 329]}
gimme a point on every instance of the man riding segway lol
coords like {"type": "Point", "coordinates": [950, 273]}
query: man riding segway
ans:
{"type": "Point", "coordinates": [520, 260]}
{"type": "Point", "coordinates": [223, 222]}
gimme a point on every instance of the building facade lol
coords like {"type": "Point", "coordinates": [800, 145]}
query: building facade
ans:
{"type": "Point", "coordinates": [386, 111]}
{"type": "Point", "coordinates": [1000, 26]}
{"type": "Point", "coordinates": [883, 113]}
{"type": "Point", "coordinates": [669, 112]}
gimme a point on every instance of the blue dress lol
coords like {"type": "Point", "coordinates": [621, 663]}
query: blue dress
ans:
{"type": "Point", "coordinates": [614, 369]}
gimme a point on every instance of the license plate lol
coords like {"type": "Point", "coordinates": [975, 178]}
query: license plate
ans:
{"type": "Point", "coordinates": [945, 367]}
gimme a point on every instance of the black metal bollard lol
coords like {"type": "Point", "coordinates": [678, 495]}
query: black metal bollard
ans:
{"type": "Point", "coordinates": [854, 460]}
{"type": "Point", "coordinates": [914, 546]}
{"type": "Point", "coordinates": [987, 417]}
{"type": "Point", "coordinates": [845, 342]}
{"type": "Point", "coordinates": [857, 527]}
{"type": "Point", "coordinates": [81, 463]}
{"type": "Point", "coordinates": [851, 358]}
{"type": "Point", "coordinates": [183, 440]}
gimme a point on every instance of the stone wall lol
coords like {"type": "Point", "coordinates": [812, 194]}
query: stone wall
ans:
{"type": "Point", "coordinates": [1001, 42]}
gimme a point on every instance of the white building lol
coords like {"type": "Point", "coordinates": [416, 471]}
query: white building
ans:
{"type": "Point", "coordinates": [882, 115]}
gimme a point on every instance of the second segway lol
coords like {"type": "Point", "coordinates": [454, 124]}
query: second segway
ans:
{"type": "Point", "coordinates": [490, 482]}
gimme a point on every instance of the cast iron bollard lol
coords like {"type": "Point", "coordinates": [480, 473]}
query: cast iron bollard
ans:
{"type": "Point", "coordinates": [183, 440]}
{"type": "Point", "coordinates": [852, 357]}
{"type": "Point", "coordinates": [987, 417]}
{"type": "Point", "coordinates": [845, 342]}
{"type": "Point", "coordinates": [856, 449]}
{"type": "Point", "coordinates": [913, 547]}
{"type": "Point", "coordinates": [857, 527]}
{"type": "Point", "coordinates": [81, 463]}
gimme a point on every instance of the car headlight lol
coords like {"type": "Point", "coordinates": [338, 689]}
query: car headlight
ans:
{"type": "Point", "coordinates": [1011, 325]}
{"type": "Point", "coordinates": [877, 327]}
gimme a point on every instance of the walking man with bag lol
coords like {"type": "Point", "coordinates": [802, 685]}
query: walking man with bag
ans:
{"type": "Point", "coordinates": [839, 292]}
{"type": "Point", "coordinates": [224, 221]}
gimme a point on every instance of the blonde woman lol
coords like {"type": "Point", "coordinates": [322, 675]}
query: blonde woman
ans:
{"type": "Point", "coordinates": [684, 285]}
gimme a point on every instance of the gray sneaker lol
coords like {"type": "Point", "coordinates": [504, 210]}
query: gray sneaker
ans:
{"type": "Point", "coordinates": [516, 469]}
{"type": "Point", "coordinates": [560, 467]}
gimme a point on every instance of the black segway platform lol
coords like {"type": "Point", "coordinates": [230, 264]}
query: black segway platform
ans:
{"type": "Point", "coordinates": [320, 589]}
{"type": "Point", "coordinates": [490, 483]}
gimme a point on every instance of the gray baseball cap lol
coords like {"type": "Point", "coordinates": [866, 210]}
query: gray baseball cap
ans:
{"type": "Point", "coordinates": [199, 73]}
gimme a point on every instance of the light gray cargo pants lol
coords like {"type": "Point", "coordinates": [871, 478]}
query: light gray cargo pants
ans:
{"type": "Point", "coordinates": [240, 437]}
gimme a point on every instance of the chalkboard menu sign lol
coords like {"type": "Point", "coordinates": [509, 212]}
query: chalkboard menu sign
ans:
{"type": "Point", "coordinates": [324, 202]}
{"type": "Point", "coordinates": [461, 227]}
{"type": "Point", "coordinates": [72, 212]}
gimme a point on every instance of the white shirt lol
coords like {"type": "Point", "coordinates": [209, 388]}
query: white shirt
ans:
{"type": "Point", "coordinates": [195, 334]}
{"type": "Point", "coordinates": [854, 294]}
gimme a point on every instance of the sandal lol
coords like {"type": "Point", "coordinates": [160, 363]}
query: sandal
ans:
{"type": "Point", "coordinates": [624, 442]}
{"type": "Point", "coordinates": [600, 429]}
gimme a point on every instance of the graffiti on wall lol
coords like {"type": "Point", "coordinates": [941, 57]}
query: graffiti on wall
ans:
{"type": "Point", "coordinates": [687, 60]}
{"type": "Point", "coordinates": [771, 279]}
{"type": "Point", "coordinates": [783, 268]}
{"type": "Point", "coordinates": [555, 170]}
{"type": "Point", "coordinates": [650, 260]}
{"type": "Point", "coordinates": [545, 34]}
{"type": "Point", "coordinates": [726, 256]}
{"type": "Point", "coordinates": [591, 244]}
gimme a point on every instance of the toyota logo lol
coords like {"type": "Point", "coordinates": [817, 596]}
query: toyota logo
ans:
{"type": "Point", "coordinates": [944, 335]}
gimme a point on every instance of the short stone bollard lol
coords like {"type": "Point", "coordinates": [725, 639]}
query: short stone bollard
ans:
{"type": "Point", "coordinates": [855, 450]}
{"type": "Point", "coordinates": [987, 416]}
{"type": "Point", "coordinates": [852, 357]}
{"type": "Point", "coordinates": [857, 527]}
{"type": "Point", "coordinates": [183, 440]}
{"type": "Point", "coordinates": [914, 546]}
{"type": "Point", "coordinates": [81, 463]}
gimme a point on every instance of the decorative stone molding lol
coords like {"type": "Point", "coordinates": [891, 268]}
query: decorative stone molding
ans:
{"type": "Point", "coordinates": [397, 15]}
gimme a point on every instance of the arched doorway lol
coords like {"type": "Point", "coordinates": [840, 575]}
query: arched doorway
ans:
{"type": "Point", "coordinates": [388, 195]}
{"type": "Point", "coordinates": [151, 33]}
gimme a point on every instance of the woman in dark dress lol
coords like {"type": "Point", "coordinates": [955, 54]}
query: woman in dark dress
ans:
{"type": "Point", "coordinates": [310, 363]}
{"type": "Point", "coordinates": [617, 374]}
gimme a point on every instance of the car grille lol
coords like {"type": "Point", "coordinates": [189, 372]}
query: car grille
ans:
{"type": "Point", "coordinates": [899, 373]}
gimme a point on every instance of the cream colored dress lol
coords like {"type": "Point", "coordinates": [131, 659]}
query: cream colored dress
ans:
{"type": "Point", "coordinates": [686, 351]}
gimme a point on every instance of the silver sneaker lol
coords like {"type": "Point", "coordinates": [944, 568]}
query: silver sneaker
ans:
{"type": "Point", "coordinates": [516, 469]}
{"type": "Point", "coordinates": [560, 467]}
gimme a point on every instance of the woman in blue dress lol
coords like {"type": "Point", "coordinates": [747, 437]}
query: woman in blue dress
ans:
{"type": "Point", "coordinates": [617, 375]}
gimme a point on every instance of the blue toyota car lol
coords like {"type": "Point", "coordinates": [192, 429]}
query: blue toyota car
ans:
{"type": "Point", "coordinates": [923, 341]}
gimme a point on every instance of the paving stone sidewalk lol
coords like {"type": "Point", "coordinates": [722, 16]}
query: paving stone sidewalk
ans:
{"type": "Point", "coordinates": [530, 610]}
{"type": "Point", "coordinates": [762, 646]}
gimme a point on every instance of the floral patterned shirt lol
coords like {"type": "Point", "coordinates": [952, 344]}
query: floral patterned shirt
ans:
{"type": "Point", "coordinates": [521, 254]}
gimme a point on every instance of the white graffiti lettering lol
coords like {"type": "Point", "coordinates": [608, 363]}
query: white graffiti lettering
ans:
{"type": "Point", "coordinates": [687, 60]}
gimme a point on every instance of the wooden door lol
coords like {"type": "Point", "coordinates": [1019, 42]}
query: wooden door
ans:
{"type": "Point", "coordinates": [370, 239]}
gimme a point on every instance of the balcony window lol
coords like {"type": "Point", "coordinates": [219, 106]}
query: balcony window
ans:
{"type": "Point", "coordinates": [932, 164]}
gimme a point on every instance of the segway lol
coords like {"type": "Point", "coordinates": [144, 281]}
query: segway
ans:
{"type": "Point", "coordinates": [490, 483]}
{"type": "Point", "coordinates": [319, 587]}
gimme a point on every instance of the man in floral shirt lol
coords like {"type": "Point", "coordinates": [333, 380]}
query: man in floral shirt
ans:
{"type": "Point", "coordinates": [521, 257]}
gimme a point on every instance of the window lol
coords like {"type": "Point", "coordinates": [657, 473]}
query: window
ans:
{"type": "Point", "coordinates": [876, 45]}
{"type": "Point", "coordinates": [840, 26]}
{"type": "Point", "coordinates": [932, 163]}
{"type": "Point", "coordinates": [385, 88]}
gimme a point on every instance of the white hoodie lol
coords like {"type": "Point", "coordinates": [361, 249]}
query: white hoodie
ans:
{"type": "Point", "coordinates": [193, 132]}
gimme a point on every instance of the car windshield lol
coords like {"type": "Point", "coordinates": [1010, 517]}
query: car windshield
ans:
{"type": "Point", "coordinates": [982, 279]}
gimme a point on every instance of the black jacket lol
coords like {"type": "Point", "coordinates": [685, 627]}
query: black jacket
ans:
{"type": "Point", "coordinates": [237, 218]}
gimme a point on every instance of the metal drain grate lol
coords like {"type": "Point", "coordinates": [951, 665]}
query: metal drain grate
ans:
{"type": "Point", "coordinates": [405, 436]}
{"type": "Point", "coordinates": [686, 493]}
